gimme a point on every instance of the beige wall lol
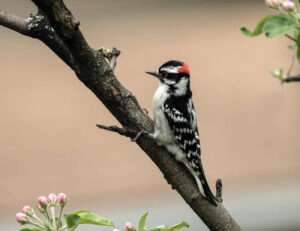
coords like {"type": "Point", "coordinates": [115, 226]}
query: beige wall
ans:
{"type": "Point", "coordinates": [48, 140]}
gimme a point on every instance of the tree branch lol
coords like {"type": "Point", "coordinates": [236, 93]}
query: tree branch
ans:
{"type": "Point", "coordinates": [291, 79]}
{"type": "Point", "coordinates": [13, 22]}
{"type": "Point", "coordinates": [92, 67]}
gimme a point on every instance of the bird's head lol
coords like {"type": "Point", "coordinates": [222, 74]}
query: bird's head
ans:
{"type": "Point", "coordinates": [175, 75]}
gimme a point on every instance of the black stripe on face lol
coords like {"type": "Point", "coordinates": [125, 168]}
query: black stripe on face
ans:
{"type": "Point", "coordinates": [175, 77]}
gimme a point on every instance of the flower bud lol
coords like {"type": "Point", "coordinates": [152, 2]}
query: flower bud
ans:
{"type": "Point", "coordinates": [273, 3]}
{"type": "Point", "coordinates": [27, 210]}
{"type": "Point", "coordinates": [21, 218]}
{"type": "Point", "coordinates": [269, 3]}
{"type": "Point", "coordinates": [42, 202]}
{"type": "Point", "coordinates": [129, 226]}
{"type": "Point", "coordinates": [62, 198]}
{"type": "Point", "coordinates": [52, 198]}
{"type": "Point", "coordinates": [288, 5]}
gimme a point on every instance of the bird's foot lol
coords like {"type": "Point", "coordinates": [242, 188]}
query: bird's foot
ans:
{"type": "Point", "coordinates": [146, 111]}
{"type": "Point", "coordinates": [138, 135]}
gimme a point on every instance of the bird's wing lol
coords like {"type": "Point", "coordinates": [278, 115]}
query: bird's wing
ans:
{"type": "Point", "coordinates": [182, 122]}
{"type": "Point", "coordinates": [185, 132]}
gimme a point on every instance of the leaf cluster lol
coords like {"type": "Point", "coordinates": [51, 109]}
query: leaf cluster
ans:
{"type": "Point", "coordinates": [280, 23]}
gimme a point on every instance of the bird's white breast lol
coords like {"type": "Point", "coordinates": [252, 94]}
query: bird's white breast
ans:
{"type": "Point", "coordinates": [162, 132]}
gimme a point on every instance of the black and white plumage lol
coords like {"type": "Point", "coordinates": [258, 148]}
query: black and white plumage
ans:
{"type": "Point", "coordinates": [175, 120]}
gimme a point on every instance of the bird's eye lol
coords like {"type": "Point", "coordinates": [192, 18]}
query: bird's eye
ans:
{"type": "Point", "coordinates": [164, 74]}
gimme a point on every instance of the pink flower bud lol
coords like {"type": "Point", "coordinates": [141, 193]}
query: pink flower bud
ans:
{"type": "Point", "coordinates": [273, 3]}
{"type": "Point", "coordinates": [62, 198]}
{"type": "Point", "coordinates": [52, 198]}
{"type": "Point", "coordinates": [42, 201]}
{"type": "Point", "coordinates": [269, 3]}
{"type": "Point", "coordinates": [21, 218]}
{"type": "Point", "coordinates": [27, 209]}
{"type": "Point", "coordinates": [129, 226]}
{"type": "Point", "coordinates": [288, 5]}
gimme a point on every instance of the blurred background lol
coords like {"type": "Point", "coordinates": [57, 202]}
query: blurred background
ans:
{"type": "Point", "coordinates": [248, 121]}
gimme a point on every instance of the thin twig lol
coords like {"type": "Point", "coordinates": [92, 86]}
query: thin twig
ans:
{"type": "Point", "coordinates": [291, 66]}
{"type": "Point", "coordinates": [290, 37]}
{"type": "Point", "coordinates": [122, 131]}
{"type": "Point", "coordinates": [291, 79]}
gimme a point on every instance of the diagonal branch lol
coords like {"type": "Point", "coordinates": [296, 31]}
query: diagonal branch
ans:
{"type": "Point", "coordinates": [94, 70]}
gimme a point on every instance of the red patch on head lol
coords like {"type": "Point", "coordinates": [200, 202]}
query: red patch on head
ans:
{"type": "Point", "coordinates": [184, 69]}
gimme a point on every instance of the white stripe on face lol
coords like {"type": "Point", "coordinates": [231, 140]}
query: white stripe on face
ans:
{"type": "Point", "coordinates": [170, 69]}
{"type": "Point", "coordinates": [169, 82]}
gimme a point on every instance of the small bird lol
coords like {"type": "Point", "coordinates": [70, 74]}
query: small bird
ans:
{"type": "Point", "coordinates": [175, 122]}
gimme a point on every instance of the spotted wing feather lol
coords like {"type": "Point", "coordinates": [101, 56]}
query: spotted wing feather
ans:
{"type": "Point", "coordinates": [182, 121]}
{"type": "Point", "coordinates": [185, 133]}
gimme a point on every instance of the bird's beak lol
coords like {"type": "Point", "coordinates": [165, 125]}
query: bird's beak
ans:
{"type": "Point", "coordinates": [154, 73]}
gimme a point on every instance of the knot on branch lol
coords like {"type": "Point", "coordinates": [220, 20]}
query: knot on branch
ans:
{"type": "Point", "coordinates": [110, 55]}
{"type": "Point", "coordinates": [39, 26]}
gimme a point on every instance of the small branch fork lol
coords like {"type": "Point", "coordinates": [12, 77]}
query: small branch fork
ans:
{"type": "Point", "coordinates": [57, 28]}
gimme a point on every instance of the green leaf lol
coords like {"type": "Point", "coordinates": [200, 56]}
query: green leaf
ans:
{"type": "Point", "coordinates": [142, 222]}
{"type": "Point", "coordinates": [297, 15]}
{"type": "Point", "coordinates": [176, 227]}
{"type": "Point", "coordinates": [85, 217]}
{"type": "Point", "coordinates": [278, 25]}
{"type": "Point", "coordinates": [258, 29]}
{"type": "Point", "coordinates": [29, 229]}
{"type": "Point", "coordinates": [272, 25]}
{"type": "Point", "coordinates": [179, 226]}
{"type": "Point", "coordinates": [73, 221]}
{"type": "Point", "coordinates": [160, 228]}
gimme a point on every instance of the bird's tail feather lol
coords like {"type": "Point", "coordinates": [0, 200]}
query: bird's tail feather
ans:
{"type": "Point", "coordinates": [207, 191]}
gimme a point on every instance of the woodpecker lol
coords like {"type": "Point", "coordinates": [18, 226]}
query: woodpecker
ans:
{"type": "Point", "coordinates": [175, 122]}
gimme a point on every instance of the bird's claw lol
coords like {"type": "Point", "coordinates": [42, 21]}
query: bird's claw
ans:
{"type": "Point", "coordinates": [146, 111]}
{"type": "Point", "coordinates": [138, 135]}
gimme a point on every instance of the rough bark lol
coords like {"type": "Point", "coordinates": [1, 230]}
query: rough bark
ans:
{"type": "Point", "coordinates": [59, 30]}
